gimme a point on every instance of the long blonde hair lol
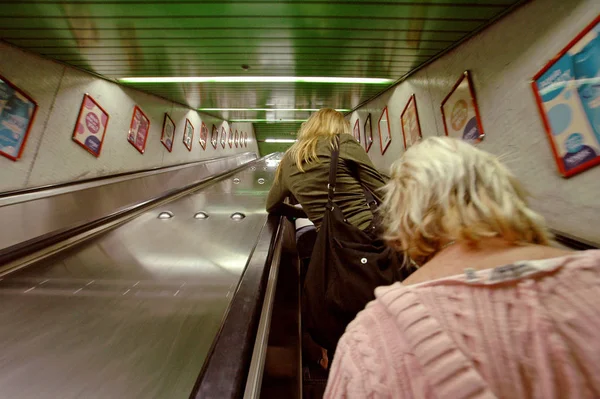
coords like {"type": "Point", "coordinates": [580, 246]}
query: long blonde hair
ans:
{"type": "Point", "coordinates": [326, 123]}
{"type": "Point", "coordinates": [444, 189]}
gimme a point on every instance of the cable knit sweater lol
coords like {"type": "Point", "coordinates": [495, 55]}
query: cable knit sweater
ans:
{"type": "Point", "coordinates": [529, 330]}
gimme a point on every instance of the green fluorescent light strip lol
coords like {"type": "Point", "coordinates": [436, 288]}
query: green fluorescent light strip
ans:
{"type": "Point", "coordinates": [254, 79]}
{"type": "Point", "coordinates": [268, 109]}
{"type": "Point", "coordinates": [280, 141]}
{"type": "Point", "coordinates": [267, 120]}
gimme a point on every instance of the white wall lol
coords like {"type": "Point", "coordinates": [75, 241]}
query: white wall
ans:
{"type": "Point", "coordinates": [503, 59]}
{"type": "Point", "coordinates": [51, 156]}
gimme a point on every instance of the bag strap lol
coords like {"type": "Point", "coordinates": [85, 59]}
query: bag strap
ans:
{"type": "Point", "coordinates": [335, 155]}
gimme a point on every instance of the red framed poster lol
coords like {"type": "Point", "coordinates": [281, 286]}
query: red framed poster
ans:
{"type": "Point", "coordinates": [214, 136]}
{"type": "Point", "coordinates": [567, 93]}
{"type": "Point", "coordinates": [168, 133]}
{"type": "Point", "coordinates": [188, 134]}
{"type": "Point", "coordinates": [90, 127]}
{"type": "Point", "coordinates": [223, 137]}
{"type": "Point", "coordinates": [230, 140]}
{"type": "Point", "coordinates": [368, 129]}
{"type": "Point", "coordinates": [356, 131]}
{"type": "Point", "coordinates": [203, 135]}
{"type": "Point", "coordinates": [138, 130]}
{"type": "Point", "coordinates": [17, 113]}
{"type": "Point", "coordinates": [385, 135]}
{"type": "Point", "coordinates": [236, 139]}
{"type": "Point", "coordinates": [411, 126]}
{"type": "Point", "coordinates": [460, 112]}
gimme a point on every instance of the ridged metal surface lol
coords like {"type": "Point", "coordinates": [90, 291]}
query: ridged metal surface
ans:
{"type": "Point", "coordinates": [133, 313]}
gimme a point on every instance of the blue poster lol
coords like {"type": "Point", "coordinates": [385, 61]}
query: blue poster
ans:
{"type": "Point", "coordinates": [16, 113]}
{"type": "Point", "coordinates": [569, 91]}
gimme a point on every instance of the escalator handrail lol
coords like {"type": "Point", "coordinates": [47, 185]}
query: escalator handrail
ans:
{"type": "Point", "coordinates": [225, 371]}
{"type": "Point", "coordinates": [26, 248]}
{"type": "Point", "coordinates": [573, 242]}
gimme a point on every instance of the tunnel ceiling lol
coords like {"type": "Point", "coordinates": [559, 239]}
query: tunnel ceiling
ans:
{"type": "Point", "coordinates": [188, 38]}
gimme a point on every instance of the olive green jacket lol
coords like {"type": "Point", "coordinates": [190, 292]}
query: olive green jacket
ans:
{"type": "Point", "coordinates": [309, 188]}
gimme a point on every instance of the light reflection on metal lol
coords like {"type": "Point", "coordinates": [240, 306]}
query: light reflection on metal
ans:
{"type": "Point", "coordinates": [201, 215]}
{"type": "Point", "coordinates": [236, 181]}
{"type": "Point", "coordinates": [261, 181]}
{"type": "Point", "coordinates": [165, 215]}
{"type": "Point", "coordinates": [237, 216]}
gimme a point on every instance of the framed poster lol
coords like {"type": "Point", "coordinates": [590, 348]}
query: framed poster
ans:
{"type": "Point", "coordinates": [223, 137]}
{"type": "Point", "coordinates": [385, 135]}
{"type": "Point", "coordinates": [168, 133]}
{"type": "Point", "coordinates": [567, 91]}
{"type": "Point", "coordinates": [203, 135]}
{"type": "Point", "coordinates": [356, 131]}
{"type": "Point", "coordinates": [188, 134]}
{"type": "Point", "coordinates": [230, 140]}
{"type": "Point", "coordinates": [91, 126]}
{"type": "Point", "coordinates": [17, 112]}
{"type": "Point", "coordinates": [214, 136]}
{"type": "Point", "coordinates": [236, 139]}
{"type": "Point", "coordinates": [460, 112]}
{"type": "Point", "coordinates": [368, 129]}
{"type": "Point", "coordinates": [411, 126]}
{"type": "Point", "coordinates": [138, 130]}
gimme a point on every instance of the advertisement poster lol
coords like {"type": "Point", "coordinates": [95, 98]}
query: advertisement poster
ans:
{"type": "Point", "coordinates": [356, 131]}
{"type": "Point", "coordinates": [223, 137]}
{"type": "Point", "coordinates": [214, 137]}
{"type": "Point", "coordinates": [460, 112]}
{"type": "Point", "coordinates": [368, 129]}
{"type": "Point", "coordinates": [385, 135]}
{"type": "Point", "coordinates": [17, 111]}
{"type": "Point", "coordinates": [411, 126]}
{"type": "Point", "coordinates": [188, 134]}
{"type": "Point", "coordinates": [230, 140]}
{"type": "Point", "coordinates": [203, 136]}
{"type": "Point", "coordinates": [168, 133]}
{"type": "Point", "coordinates": [138, 130]}
{"type": "Point", "coordinates": [567, 91]}
{"type": "Point", "coordinates": [91, 126]}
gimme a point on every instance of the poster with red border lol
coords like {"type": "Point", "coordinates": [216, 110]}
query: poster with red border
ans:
{"type": "Point", "coordinates": [214, 136]}
{"type": "Point", "coordinates": [223, 137]}
{"type": "Point", "coordinates": [230, 140]}
{"type": "Point", "coordinates": [385, 134]}
{"type": "Point", "coordinates": [368, 129]}
{"type": "Point", "coordinates": [203, 135]}
{"type": "Point", "coordinates": [356, 131]}
{"type": "Point", "coordinates": [168, 133]}
{"type": "Point", "coordinates": [460, 112]}
{"type": "Point", "coordinates": [17, 113]}
{"type": "Point", "coordinates": [138, 130]}
{"type": "Point", "coordinates": [91, 125]}
{"type": "Point", "coordinates": [567, 93]}
{"type": "Point", "coordinates": [188, 134]}
{"type": "Point", "coordinates": [411, 126]}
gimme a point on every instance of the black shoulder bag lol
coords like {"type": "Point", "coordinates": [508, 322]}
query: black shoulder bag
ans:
{"type": "Point", "coordinates": [346, 266]}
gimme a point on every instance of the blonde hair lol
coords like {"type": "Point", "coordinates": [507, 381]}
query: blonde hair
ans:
{"type": "Point", "coordinates": [326, 123]}
{"type": "Point", "coordinates": [444, 190]}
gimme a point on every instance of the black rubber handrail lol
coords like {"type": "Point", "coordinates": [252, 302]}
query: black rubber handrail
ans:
{"type": "Point", "coordinates": [226, 367]}
{"type": "Point", "coordinates": [29, 247]}
{"type": "Point", "coordinates": [573, 242]}
{"type": "Point", "coordinates": [100, 178]}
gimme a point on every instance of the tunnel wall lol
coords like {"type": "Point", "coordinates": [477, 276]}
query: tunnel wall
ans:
{"type": "Point", "coordinates": [51, 156]}
{"type": "Point", "coordinates": [502, 60]}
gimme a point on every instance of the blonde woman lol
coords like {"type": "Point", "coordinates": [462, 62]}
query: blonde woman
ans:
{"type": "Point", "coordinates": [304, 170]}
{"type": "Point", "coordinates": [492, 312]}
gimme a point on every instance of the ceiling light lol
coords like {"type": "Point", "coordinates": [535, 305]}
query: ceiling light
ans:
{"type": "Point", "coordinates": [267, 120]}
{"type": "Point", "coordinates": [253, 79]}
{"type": "Point", "coordinates": [269, 109]}
{"type": "Point", "coordinates": [280, 141]}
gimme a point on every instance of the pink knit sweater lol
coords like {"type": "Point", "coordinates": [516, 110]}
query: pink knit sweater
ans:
{"type": "Point", "coordinates": [530, 330]}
